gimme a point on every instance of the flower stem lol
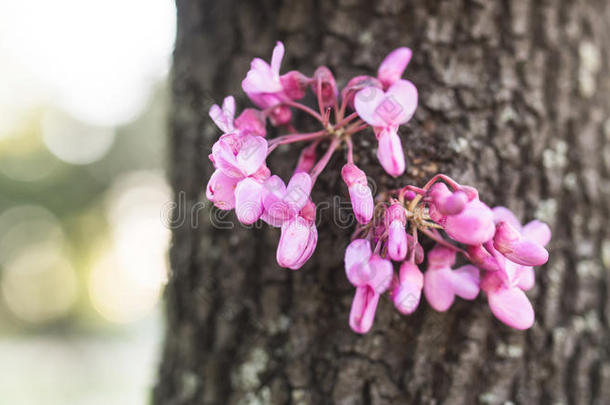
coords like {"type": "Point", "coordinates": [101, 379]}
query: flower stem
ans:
{"type": "Point", "coordinates": [317, 169]}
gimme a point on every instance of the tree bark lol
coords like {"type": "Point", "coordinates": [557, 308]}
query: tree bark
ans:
{"type": "Point", "coordinates": [513, 100]}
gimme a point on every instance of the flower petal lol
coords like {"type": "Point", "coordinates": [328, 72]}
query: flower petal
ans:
{"type": "Point", "coordinates": [397, 241]}
{"type": "Point", "coordinates": [366, 102]}
{"type": "Point", "coordinates": [224, 158]}
{"type": "Point", "coordinates": [362, 202]}
{"type": "Point", "coordinates": [465, 281]}
{"type": "Point", "coordinates": [362, 313]}
{"type": "Point", "coordinates": [293, 242]}
{"type": "Point", "coordinates": [276, 58]}
{"type": "Point", "coordinates": [393, 66]}
{"type": "Point", "coordinates": [252, 154]}
{"type": "Point", "coordinates": [248, 201]}
{"type": "Point", "coordinates": [401, 101]}
{"type": "Point", "coordinates": [438, 289]}
{"type": "Point", "coordinates": [537, 231]}
{"type": "Point", "coordinates": [297, 191]}
{"type": "Point", "coordinates": [504, 214]}
{"type": "Point", "coordinates": [511, 306]}
{"type": "Point", "coordinates": [357, 252]}
{"type": "Point", "coordinates": [221, 190]}
{"type": "Point", "coordinates": [390, 153]}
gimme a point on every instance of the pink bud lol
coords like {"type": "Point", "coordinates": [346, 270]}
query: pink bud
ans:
{"type": "Point", "coordinates": [406, 293]}
{"type": "Point", "coordinates": [280, 115]}
{"type": "Point", "coordinates": [352, 174]}
{"type": "Point", "coordinates": [445, 202]}
{"type": "Point", "coordinates": [393, 66]}
{"type": "Point", "coordinates": [362, 202]}
{"type": "Point", "coordinates": [294, 84]}
{"type": "Point", "coordinates": [328, 86]}
{"type": "Point", "coordinates": [390, 154]}
{"type": "Point", "coordinates": [297, 243]}
{"type": "Point", "coordinates": [397, 241]}
{"type": "Point", "coordinates": [307, 159]}
{"type": "Point", "coordinates": [395, 212]}
{"type": "Point", "coordinates": [251, 122]}
{"type": "Point", "coordinates": [519, 249]}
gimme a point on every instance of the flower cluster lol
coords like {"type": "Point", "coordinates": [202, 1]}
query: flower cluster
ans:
{"type": "Point", "coordinates": [501, 252]}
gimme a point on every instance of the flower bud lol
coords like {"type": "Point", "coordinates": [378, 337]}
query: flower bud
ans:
{"type": "Point", "coordinates": [328, 86]}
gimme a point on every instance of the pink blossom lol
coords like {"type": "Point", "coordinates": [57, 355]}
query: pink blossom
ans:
{"type": "Point", "coordinates": [372, 276]}
{"type": "Point", "coordinates": [407, 287]}
{"type": "Point", "coordinates": [239, 157]}
{"type": "Point", "coordinates": [396, 219]}
{"type": "Point", "coordinates": [442, 284]}
{"type": "Point", "coordinates": [393, 66]}
{"type": "Point", "coordinates": [240, 172]}
{"type": "Point", "coordinates": [282, 203]}
{"type": "Point", "coordinates": [262, 77]}
{"type": "Point", "coordinates": [359, 192]}
{"type": "Point", "coordinates": [385, 111]}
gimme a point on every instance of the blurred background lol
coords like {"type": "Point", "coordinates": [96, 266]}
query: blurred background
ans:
{"type": "Point", "coordinates": [83, 99]}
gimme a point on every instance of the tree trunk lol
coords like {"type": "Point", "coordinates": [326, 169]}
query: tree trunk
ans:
{"type": "Point", "coordinates": [513, 100]}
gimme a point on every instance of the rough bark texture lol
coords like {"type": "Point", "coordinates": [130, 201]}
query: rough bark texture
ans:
{"type": "Point", "coordinates": [513, 99]}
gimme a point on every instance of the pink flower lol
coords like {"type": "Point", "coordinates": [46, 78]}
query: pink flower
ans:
{"type": "Point", "coordinates": [472, 225]}
{"type": "Point", "coordinates": [372, 276]}
{"type": "Point", "coordinates": [406, 291]}
{"type": "Point", "coordinates": [359, 192]}
{"type": "Point", "coordinates": [240, 171]}
{"type": "Point", "coordinates": [239, 157]}
{"type": "Point", "coordinates": [297, 243]}
{"type": "Point", "coordinates": [282, 203]}
{"type": "Point", "coordinates": [396, 219]}
{"type": "Point", "coordinates": [442, 284]}
{"type": "Point", "coordinates": [385, 112]}
{"type": "Point", "coordinates": [262, 77]}
{"type": "Point", "coordinates": [264, 87]}
{"type": "Point", "coordinates": [393, 66]}
{"type": "Point", "coordinates": [523, 246]}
